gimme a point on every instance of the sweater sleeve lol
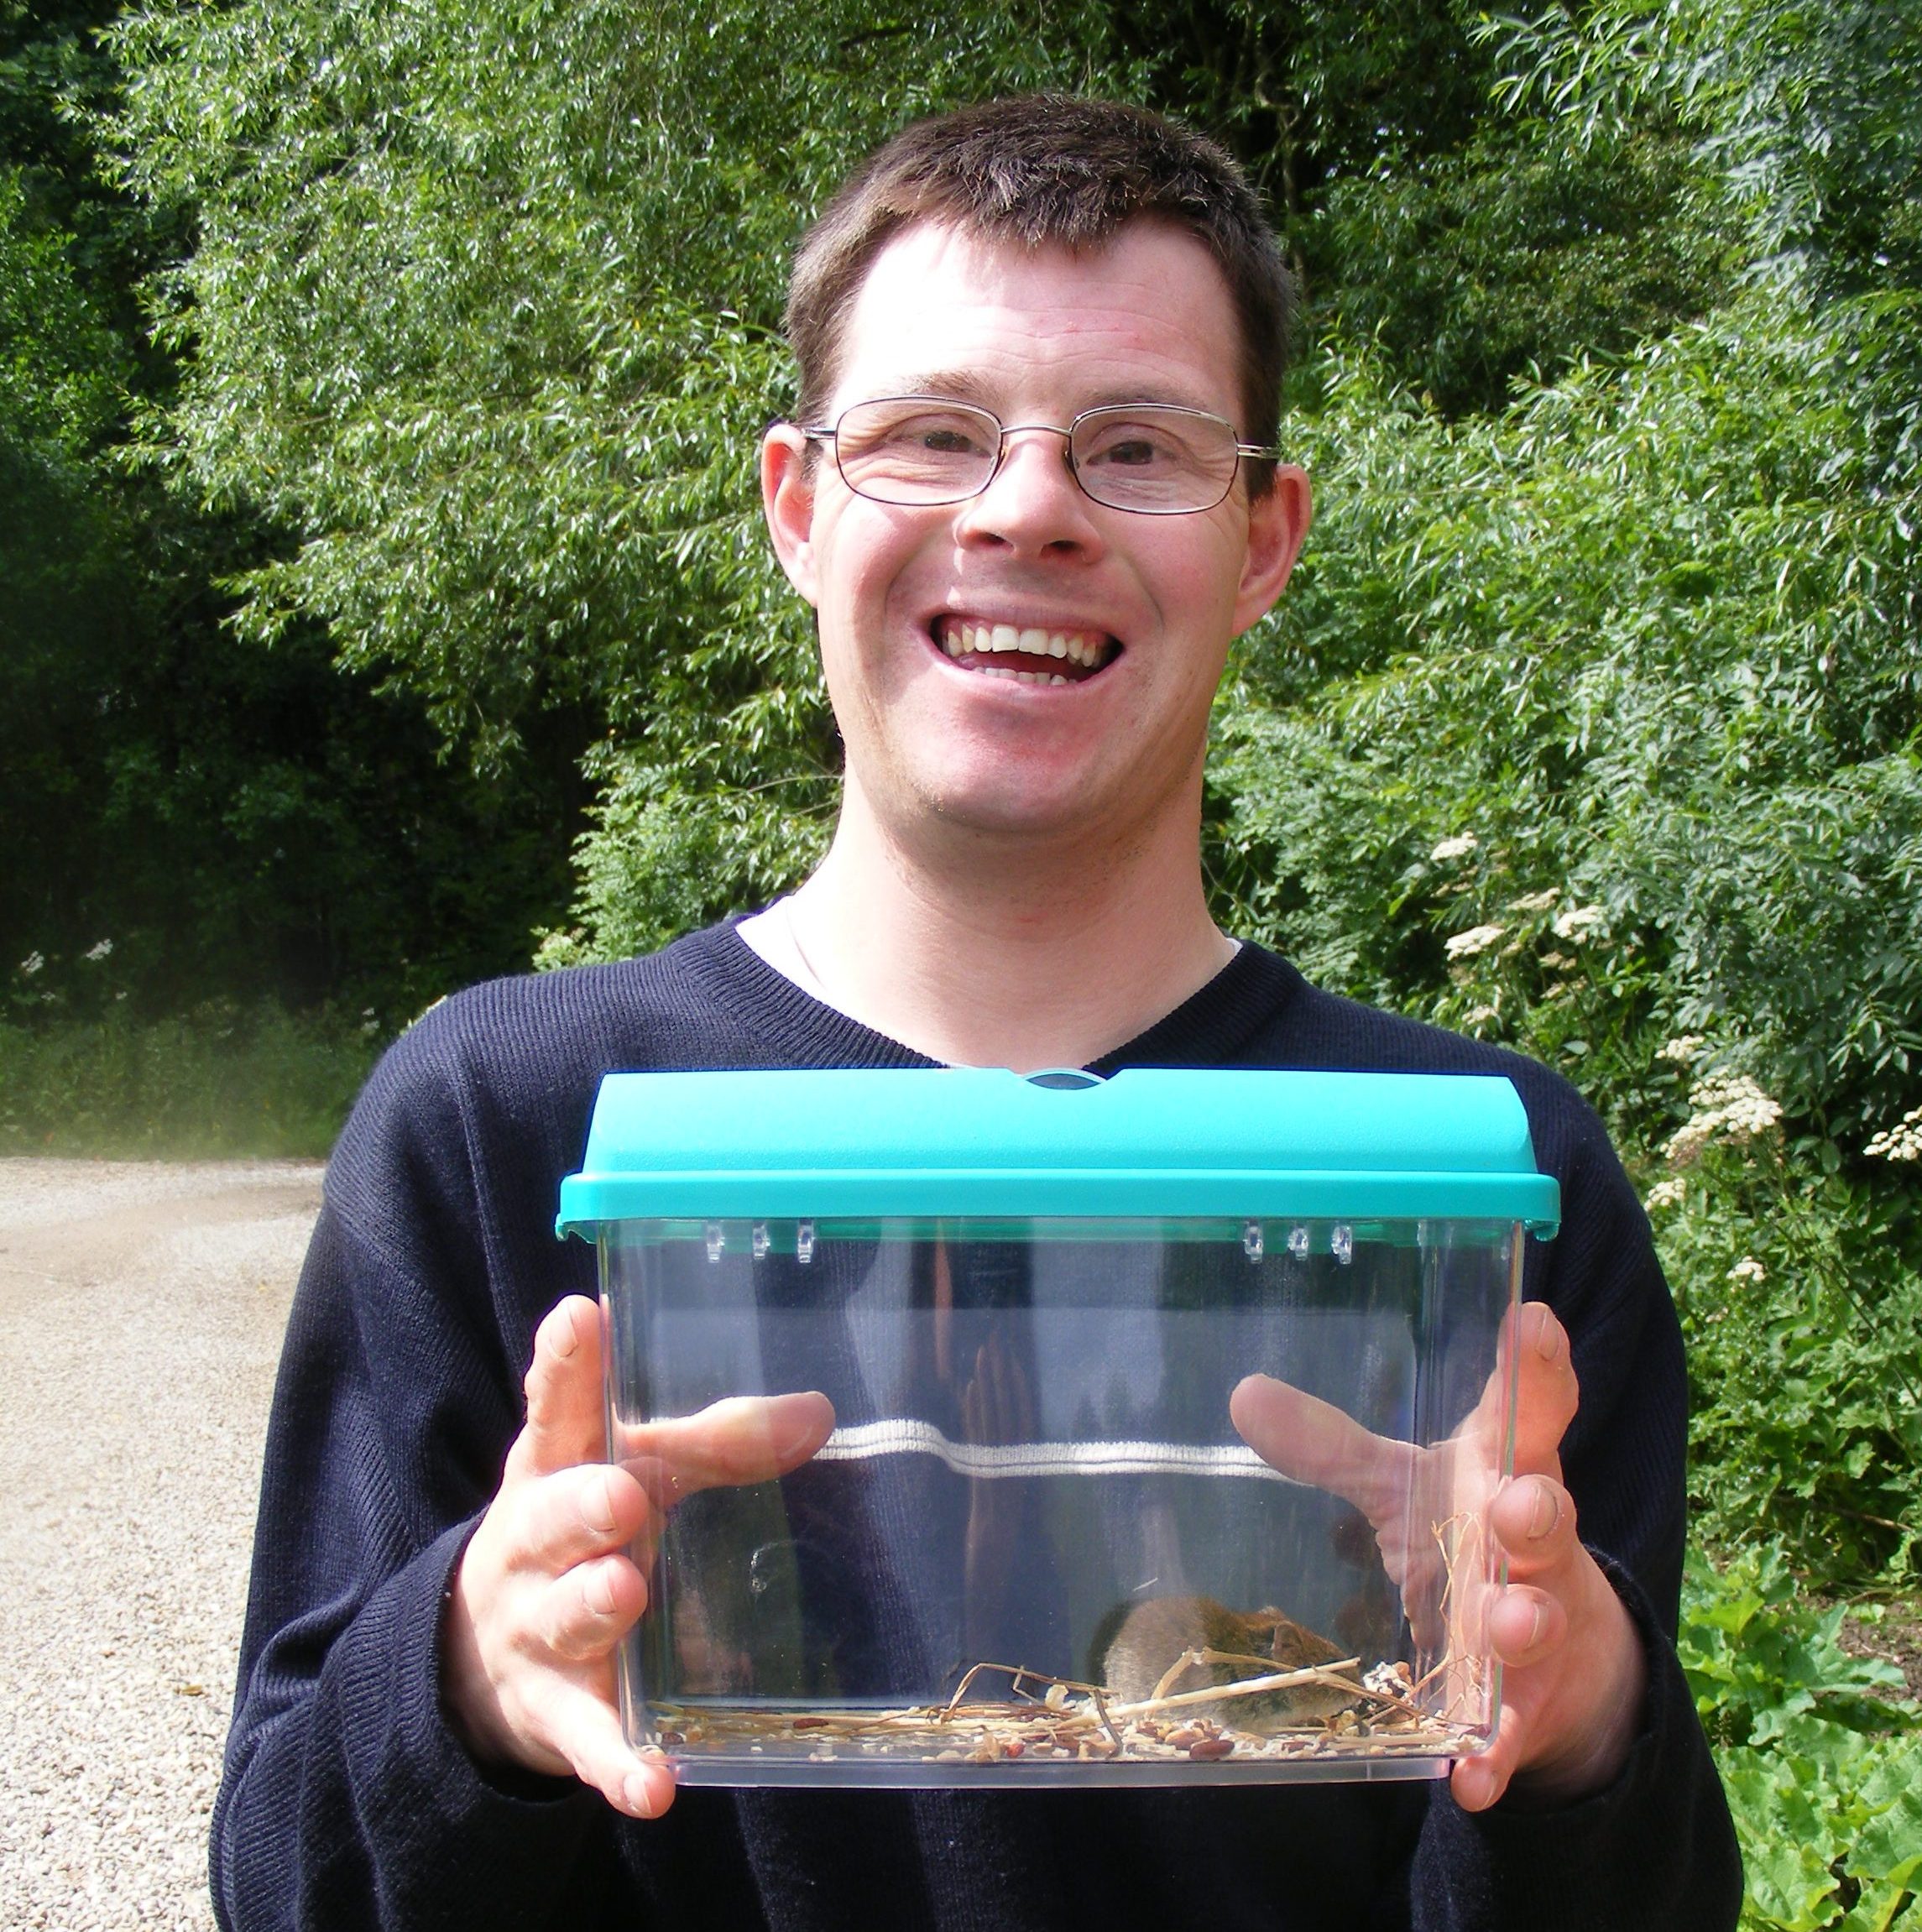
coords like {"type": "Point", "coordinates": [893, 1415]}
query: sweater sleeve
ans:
{"type": "Point", "coordinates": [346, 1799]}
{"type": "Point", "coordinates": [1655, 1851]}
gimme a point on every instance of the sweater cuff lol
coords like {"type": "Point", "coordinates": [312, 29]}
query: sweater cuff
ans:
{"type": "Point", "coordinates": [1654, 1847]}
{"type": "Point", "coordinates": [421, 1795]}
{"type": "Point", "coordinates": [509, 1781]}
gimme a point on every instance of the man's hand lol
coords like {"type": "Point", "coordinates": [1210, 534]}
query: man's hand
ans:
{"type": "Point", "coordinates": [548, 1586]}
{"type": "Point", "coordinates": [1573, 1669]}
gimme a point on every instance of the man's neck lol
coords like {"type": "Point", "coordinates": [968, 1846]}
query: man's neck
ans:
{"type": "Point", "coordinates": [997, 952]}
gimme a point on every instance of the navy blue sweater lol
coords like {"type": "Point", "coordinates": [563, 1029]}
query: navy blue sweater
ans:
{"type": "Point", "coordinates": [347, 1801]}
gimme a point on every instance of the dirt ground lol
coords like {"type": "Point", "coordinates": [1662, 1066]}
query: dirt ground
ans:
{"type": "Point", "coordinates": [141, 1310]}
{"type": "Point", "coordinates": [1895, 1636]}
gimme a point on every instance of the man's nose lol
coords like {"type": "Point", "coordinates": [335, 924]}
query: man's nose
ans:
{"type": "Point", "coordinates": [1033, 502]}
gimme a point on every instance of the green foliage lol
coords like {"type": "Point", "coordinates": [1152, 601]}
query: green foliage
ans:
{"type": "Point", "coordinates": [1820, 1751]}
{"type": "Point", "coordinates": [1473, 270]}
{"type": "Point", "coordinates": [232, 821]}
{"type": "Point", "coordinates": [222, 1079]}
{"type": "Point", "coordinates": [1645, 643]}
{"type": "Point", "coordinates": [1308, 95]}
{"type": "Point", "coordinates": [485, 303]}
{"type": "Point", "coordinates": [1761, 1659]}
{"type": "Point", "coordinates": [661, 861]}
{"type": "Point", "coordinates": [1800, 1294]}
{"type": "Point", "coordinates": [1591, 725]}
{"type": "Point", "coordinates": [62, 367]}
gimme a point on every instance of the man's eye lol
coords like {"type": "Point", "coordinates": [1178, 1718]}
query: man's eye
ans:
{"type": "Point", "coordinates": [1131, 446]}
{"type": "Point", "coordinates": [946, 439]}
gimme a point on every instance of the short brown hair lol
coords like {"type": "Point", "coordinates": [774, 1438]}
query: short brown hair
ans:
{"type": "Point", "coordinates": [1041, 168]}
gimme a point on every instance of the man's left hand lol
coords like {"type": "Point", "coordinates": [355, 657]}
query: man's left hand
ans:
{"type": "Point", "coordinates": [1574, 1673]}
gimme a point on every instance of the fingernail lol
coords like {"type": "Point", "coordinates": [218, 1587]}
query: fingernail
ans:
{"type": "Point", "coordinates": [1546, 1511]}
{"type": "Point", "coordinates": [635, 1794]}
{"type": "Point", "coordinates": [799, 1433]}
{"type": "Point", "coordinates": [1549, 1339]}
{"type": "Point", "coordinates": [597, 1510]}
{"type": "Point", "coordinates": [1536, 1625]}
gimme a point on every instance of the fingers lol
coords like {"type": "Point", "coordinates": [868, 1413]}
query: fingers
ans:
{"type": "Point", "coordinates": [1398, 1489]}
{"type": "Point", "coordinates": [586, 1733]}
{"type": "Point", "coordinates": [742, 1440]}
{"type": "Point", "coordinates": [1534, 1517]}
{"type": "Point", "coordinates": [590, 1607]}
{"type": "Point", "coordinates": [555, 1521]}
{"type": "Point", "coordinates": [1534, 1520]}
{"type": "Point", "coordinates": [1525, 1626]}
{"type": "Point", "coordinates": [549, 1585]}
{"type": "Point", "coordinates": [1477, 1782]}
{"type": "Point", "coordinates": [1574, 1672]}
{"type": "Point", "coordinates": [565, 1419]}
{"type": "Point", "coordinates": [600, 1756]}
{"type": "Point", "coordinates": [997, 1404]}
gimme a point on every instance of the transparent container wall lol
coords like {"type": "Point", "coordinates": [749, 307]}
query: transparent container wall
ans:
{"type": "Point", "coordinates": [1036, 1546]}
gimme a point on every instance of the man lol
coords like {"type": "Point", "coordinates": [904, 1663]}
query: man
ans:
{"type": "Point", "coordinates": [1031, 498]}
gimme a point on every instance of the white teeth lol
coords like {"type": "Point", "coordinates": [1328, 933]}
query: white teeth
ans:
{"type": "Point", "coordinates": [998, 671]}
{"type": "Point", "coordinates": [960, 638]}
{"type": "Point", "coordinates": [1057, 678]}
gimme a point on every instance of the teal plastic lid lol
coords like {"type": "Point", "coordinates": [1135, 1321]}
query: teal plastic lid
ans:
{"type": "Point", "coordinates": [1149, 1142]}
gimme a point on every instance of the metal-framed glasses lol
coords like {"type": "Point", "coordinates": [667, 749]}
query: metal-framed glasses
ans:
{"type": "Point", "coordinates": [1156, 459]}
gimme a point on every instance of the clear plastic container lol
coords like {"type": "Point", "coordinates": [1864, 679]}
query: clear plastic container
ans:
{"type": "Point", "coordinates": [1094, 1497]}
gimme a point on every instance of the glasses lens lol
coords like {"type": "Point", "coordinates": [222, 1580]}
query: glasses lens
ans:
{"type": "Point", "coordinates": [1154, 457]}
{"type": "Point", "coordinates": [915, 449]}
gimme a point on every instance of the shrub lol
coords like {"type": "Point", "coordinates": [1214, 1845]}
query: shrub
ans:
{"type": "Point", "coordinates": [223, 1079]}
{"type": "Point", "coordinates": [1820, 1751]}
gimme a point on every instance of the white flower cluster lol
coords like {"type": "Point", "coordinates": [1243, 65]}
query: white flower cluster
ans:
{"type": "Point", "coordinates": [1902, 1142]}
{"type": "Point", "coordinates": [1476, 939]}
{"type": "Point", "coordinates": [1748, 1269]}
{"type": "Point", "coordinates": [1459, 847]}
{"type": "Point", "coordinates": [100, 951]}
{"type": "Point", "coordinates": [1684, 1051]}
{"type": "Point", "coordinates": [31, 965]}
{"type": "Point", "coordinates": [1667, 1193]}
{"type": "Point", "coordinates": [1579, 921]}
{"type": "Point", "coordinates": [1732, 1106]}
{"type": "Point", "coordinates": [1536, 902]}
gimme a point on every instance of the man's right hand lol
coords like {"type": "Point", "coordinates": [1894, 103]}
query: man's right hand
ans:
{"type": "Point", "coordinates": [548, 1586]}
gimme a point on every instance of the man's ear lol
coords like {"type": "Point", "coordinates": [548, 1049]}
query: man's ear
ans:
{"type": "Point", "coordinates": [1277, 523]}
{"type": "Point", "coordinates": [787, 499]}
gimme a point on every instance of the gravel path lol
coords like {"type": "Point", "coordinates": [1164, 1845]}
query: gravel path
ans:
{"type": "Point", "coordinates": [141, 1308]}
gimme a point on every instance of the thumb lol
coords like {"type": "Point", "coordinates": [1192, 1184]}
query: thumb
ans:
{"type": "Point", "coordinates": [739, 1440]}
{"type": "Point", "coordinates": [566, 1421]}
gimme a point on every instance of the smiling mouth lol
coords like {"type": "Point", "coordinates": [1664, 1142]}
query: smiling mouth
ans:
{"type": "Point", "coordinates": [1027, 655]}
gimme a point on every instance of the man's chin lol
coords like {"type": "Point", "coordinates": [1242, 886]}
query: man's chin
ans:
{"type": "Point", "coordinates": [1029, 817]}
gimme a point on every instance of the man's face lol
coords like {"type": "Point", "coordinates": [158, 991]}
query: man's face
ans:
{"type": "Point", "coordinates": [1112, 733]}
